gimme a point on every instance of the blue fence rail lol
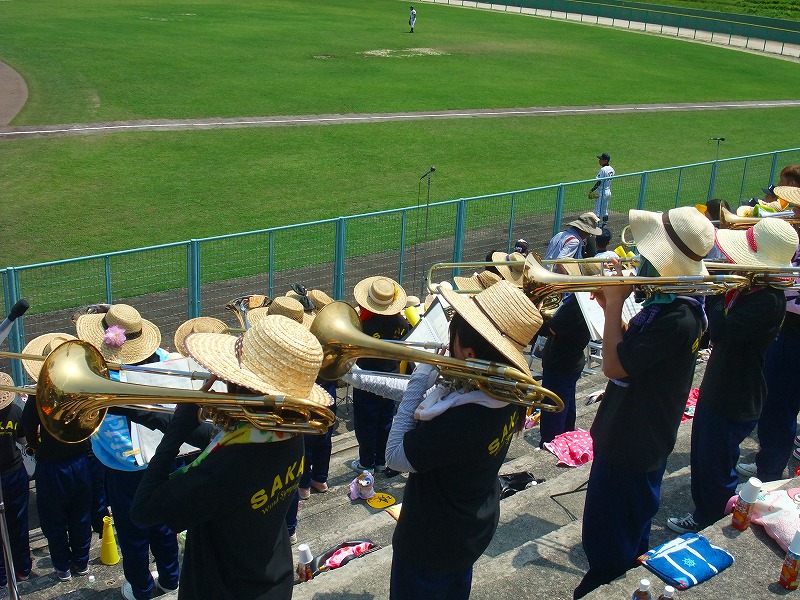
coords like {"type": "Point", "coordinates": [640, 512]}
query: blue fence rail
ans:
{"type": "Point", "coordinates": [173, 282]}
{"type": "Point", "coordinates": [757, 33]}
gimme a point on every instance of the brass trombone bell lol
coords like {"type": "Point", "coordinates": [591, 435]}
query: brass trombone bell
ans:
{"type": "Point", "coordinates": [74, 392]}
{"type": "Point", "coordinates": [338, 329]}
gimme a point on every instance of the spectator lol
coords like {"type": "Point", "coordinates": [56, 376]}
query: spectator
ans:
{"type": "Point", "coordinates": [569, 243]}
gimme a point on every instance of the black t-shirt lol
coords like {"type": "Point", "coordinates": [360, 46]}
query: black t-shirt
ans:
{"type": "Point", "coordinates": [10, 430]}
{"type": "Point", "coordinates": [563, 352]}
{"type": "Point", "coordinates": [233, 505]}
{"type": "Point", "coordinates": [733, 385]}
{"type": "Point", "coordinates": [48, 449]}
{"type": "Point", "coordinates": [791, 324]}
{"type": "Point", "coordinates": [451, 505]}
{"type": "Point", "coordinates": [384, 327]}
{"type": "Point", "coordinates": [636, 426]}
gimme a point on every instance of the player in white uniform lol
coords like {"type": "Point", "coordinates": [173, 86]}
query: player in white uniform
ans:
{"type": "Point", "coordinates": [603, 186]}
{"type": "Point", "coordinates": [412, 19]}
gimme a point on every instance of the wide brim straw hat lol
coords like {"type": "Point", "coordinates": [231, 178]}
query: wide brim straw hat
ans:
{"type": "Point", "coordinates": [6, 398]}
{"type": "Point", "coordinates": [380, 295]}
{"type": "Point", "coordinates": [674, 242]}
{"type": "Point", "coordinates": [282, 305]}
{"type": "Point", "coordinates": [788, 193]}
{"type": "Point", "coordinates": [503, 315]}
{"type": "Point", "coordinates": [42, 346]}
{"type": "Point", "coordinates": [512, 273]}
{"type": "Point", "coordinates": [320, 299]}
{"type": "Point", "coordinates": [587, 222]}
{"type": "Point", "coordinates": [196, 325]}
{"type": "Point", "coordinates": [771, 242]}
{"type": "Point", "coordinates": [276, 356]}
{"type": "Point", "coordinates": [479, 281]}
{"type": "Point", "coordinates": [142, 337]}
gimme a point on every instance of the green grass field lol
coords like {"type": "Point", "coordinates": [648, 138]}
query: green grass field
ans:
{"type": "Point", "coordinates": [776, 9]}
{"type": "Point", "coordinates": [84, 63]}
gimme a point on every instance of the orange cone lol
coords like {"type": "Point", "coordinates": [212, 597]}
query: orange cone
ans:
{"type": "Point", "coordinates": [108, 551]}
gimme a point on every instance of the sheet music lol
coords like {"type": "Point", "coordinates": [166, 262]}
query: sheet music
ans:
{"type": "Point", "coordinates": [433, 326]}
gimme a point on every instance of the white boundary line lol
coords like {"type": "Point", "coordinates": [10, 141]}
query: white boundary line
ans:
{"type": "Point", "coordinates": [312, 120]}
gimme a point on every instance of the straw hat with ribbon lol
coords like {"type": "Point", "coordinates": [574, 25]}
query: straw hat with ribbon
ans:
{"type": "Point", "coordinates": [512, 273]}
{"type": "Point", "coordinates": [282, 305]}
{"type": "Point", "coordinates": [674, 242]}
{"type": "Point", "coordinates": [587, 222]}
{"type": "Point", "coordinates": [43, 346]}
{"type": "Point", "coordinates": [771, 242]}
{"type": "Point", "coordinates": [503, 315]}
{"type": "Point", "coordinates": [380, 295]}
{"type": "Point", "coordinates": [121, 334]}
{"type": "Point", "coordinates": [6, 398]}
{"type": "Point", "coordinates": [196, 325]}
{"type": "Point", "coordinates": [789, 194]}
{"type": "Point", "coordinates": [275, 356]}
{"type": "Point", "coordinates": [479, 281]}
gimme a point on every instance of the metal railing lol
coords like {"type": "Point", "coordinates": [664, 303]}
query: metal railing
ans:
{"type": "Point", "coordinates": [173, 282]}
{"type": "Point", "coordinates": [775, 36]}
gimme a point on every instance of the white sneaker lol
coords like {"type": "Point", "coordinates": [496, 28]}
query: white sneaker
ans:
{"type": "Point", "coordinates": [796, 453]}
{"type": "Point", "coordinates": [127, 591]}
{"type": "Point", "coordinates": [797, 441]}
{"type": "Point", "coordinates": [747, 469]}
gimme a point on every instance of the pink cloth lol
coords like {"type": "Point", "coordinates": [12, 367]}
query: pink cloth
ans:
{"type": "Point", "coordinates": [337, 558]}
{"type": "Point", "coordinates": [573, 448]}
{"type": "Point", "coordinates": [691, 403]}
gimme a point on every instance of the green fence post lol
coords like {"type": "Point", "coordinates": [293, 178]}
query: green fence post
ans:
{"type": "Point", "coordinates": [401, 270]}
{"type": "Point", "coordinates": [461, 223]}
{"type": "Point", "coordinates": [107, 273]}
{"type": "Point", "coordinates": [642, 191]}
{"type": "Point", "coordinates": [271, 272]}
{"type": "Point", "coordinates": [16, 338]}
{"type": "Point", "coordinates": [678, 189]}
{"type": "Point", "coordinates": [774, 168]}
{"type": "Point", "coordinates": [744, 179]}
{"type": "Point", "coordinates": [339, 255]}
{"type": "Point", "coordinates": [511, 221]}
{"type": "Point", "coordinates": [559, 208]}
{"type": "Point", "coordinates": [193, 278]}
{"type": "Point", "coordinates": [712, 182]}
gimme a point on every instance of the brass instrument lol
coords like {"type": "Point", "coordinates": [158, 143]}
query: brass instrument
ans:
{"type": "Point", "coordinates": [74, 392]}
{"type": "Point", "coordinates": [240, 306]}
{"type": "Point", "coordinates": [784, 278]}
{"type": "Point", "coordinates": [730, 220]}
{"type": "Point", "coordinates": [539, 284]}
{"type": "Point", "coordinates": [627, 241]}
{"type": "Point", "coordinates": [338, 329]}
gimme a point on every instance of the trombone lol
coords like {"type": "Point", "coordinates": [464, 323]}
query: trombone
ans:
{"type": "Point", "coordinates": [74, 393]}
{"type": "Point", "coordinates": [338, 329]}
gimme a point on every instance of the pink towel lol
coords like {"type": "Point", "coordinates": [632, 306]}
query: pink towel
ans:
{"type": "Point", "coordinates": [573, 448]}
{"type": "Point", "coordinates": [337, 558]}
{"type": "Point", "coordinates": [691, 403]}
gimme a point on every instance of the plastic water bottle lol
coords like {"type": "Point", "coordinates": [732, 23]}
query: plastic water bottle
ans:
{"type": "Point", "coordinates": [669, 593]}
{"type": "Point", "coordinates": [791, 565]}
{"type": "Point", "coordinates": [744, 504]}
{"type": "Point", "coordinates": [643, 593]}
{"type": "Point", "coordinates": [91, 581]}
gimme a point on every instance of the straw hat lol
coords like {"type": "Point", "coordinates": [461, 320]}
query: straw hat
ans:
{"type": "Point", "coordinates": [130, 340]}
{"type": "Point", "coordinates": [196, 325]}
{"type": "Point", "coordinates": [282, 305]}
{"type": "Point", "coordinates": [479, 281]}
{"type": "Point", "coordinates": [587, 222]}
{"type": "Point", "coordinates": [6, 398]}
{"type": "Point", "coordinates": [412, 301]}
{"type": "Point", "coordinates": [789, 194]}
{"type": "Point", "coordinates": [43, 346]}
{"type": "Point", "coordinates": [503, 315]}
{"type": "Point", "coordinates": [275, 356]}
{"type": "Point", "coordinates": [512, 273]}
{"type": "Point", "coordinates": [320, 299]}
{"type": "Point", "coordinates": [380, 295]}
{"type": "Point", "coordinates": [771, 242]}
{"type": "Point", "coordinates": [674, 242]}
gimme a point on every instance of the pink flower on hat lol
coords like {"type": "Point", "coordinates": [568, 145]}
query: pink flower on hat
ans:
{"type": "Point", "coordinates": [114, 336]}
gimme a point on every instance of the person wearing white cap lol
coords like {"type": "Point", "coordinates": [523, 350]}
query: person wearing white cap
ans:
{"type": "Point", "coordinates": [733, 388]}
{"type": "Point", "coordinates": [650, 367]}
{"type": "Point", "coordinates": [777, 425]}
{"type": "Point", "coordinates": [453, 444]}
{"type": "Point", "coordinates": [380, 300]}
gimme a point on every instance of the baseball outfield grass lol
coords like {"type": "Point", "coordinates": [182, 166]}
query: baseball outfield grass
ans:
{"type": "Point", "coordinates": [86, 63]}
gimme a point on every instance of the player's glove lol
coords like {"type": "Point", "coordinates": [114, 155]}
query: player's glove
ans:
{"type": "Point", "coordinates": [593, 195]}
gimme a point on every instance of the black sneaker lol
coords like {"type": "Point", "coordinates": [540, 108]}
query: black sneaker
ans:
{"type": "Point", "coordinates": [685, 524]}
